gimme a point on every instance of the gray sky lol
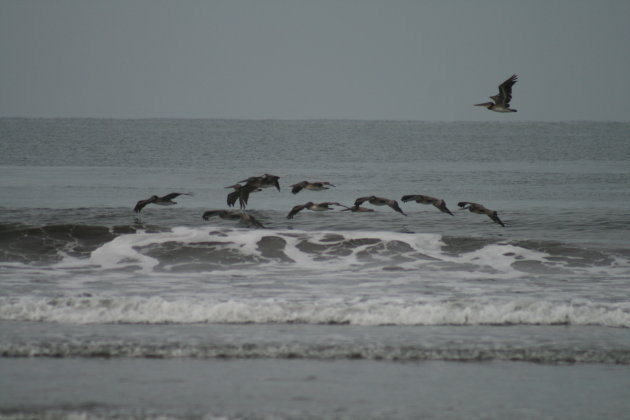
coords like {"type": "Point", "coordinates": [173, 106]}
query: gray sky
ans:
{"type": "Point", "coordinates": [312, 59]}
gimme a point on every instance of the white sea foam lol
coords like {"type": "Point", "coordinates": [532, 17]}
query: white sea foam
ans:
{"type": "Point", "coordinates": [123, 250]}
{"type": "Point", "coordinates": [320, 251]}
{"type": "Point", "coordinates": [224, 275]}
{"type": "Point", "coordinates": [386, 311]}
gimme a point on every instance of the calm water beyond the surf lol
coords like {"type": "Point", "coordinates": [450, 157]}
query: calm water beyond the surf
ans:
{"type": "Point", "coordinates": [105, 313]}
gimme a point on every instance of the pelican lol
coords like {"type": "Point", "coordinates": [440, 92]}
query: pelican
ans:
{"type": "Point", "coordinates": [232, 215]}
{"type": "Point", "coordinates": [263, 181]}
{"type": "Point", "coordinates": [240, 193]}
{"type": "Point", "coordinates": [312, 206]}
{"type": "Point", "coordinates": [425, 199]}
{"type": "Point", "coordinates": [166, 200]}
{"type": "Point", "coordinates": [502, 100]}
{"type": "Point", "coordinates": [379, 201]}
{"type": "Point", "coordinates": [313, 186]}
{"type": "Point", "coordinates": [479, 209]}
{"type": "Point", "coordinates": [251, 184]}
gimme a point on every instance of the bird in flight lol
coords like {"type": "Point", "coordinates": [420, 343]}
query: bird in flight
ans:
{"type": "Point", "coordinates": [313, 186]}
{"type": "Point", "coordinates": [240, 193]}
{"type": "Point", "coordinates": [479, 209]}
{"type": "Point", "coordinates": [313, 207]}
{"type": "Point", "coordinates": [502, 100]}
{"type": "Point", "coordinates": [252, 184]}
{"type": "Point", "coordinates": [379, 201]}
{"type": "Point", "coordinates": [166, 200]}
{"type": "Point", "coordinates": [263, 181]}
{"type": "Point", "coordinates": [425, 199]}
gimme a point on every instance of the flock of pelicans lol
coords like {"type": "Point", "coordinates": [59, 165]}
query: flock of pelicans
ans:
{"type": "Point", "coordinates": [244, 188]}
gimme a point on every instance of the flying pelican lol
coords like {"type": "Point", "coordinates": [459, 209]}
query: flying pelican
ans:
{"type": "Point", "coordinates": [233, 215]}
{"type": "Point", "coordinates": [240, 193]}
{"type": "Point", "coordinates": [166, 200]}
{"type": "Point", "coordinates": [425, 199]}
{"type": "Point", "coordinates": [479, 209]}
{"type": "Point", "coordinates": [263, 181]}
{"type": "Point", "coordinates": [251, 184]}
{"type": "Point", "coordinates": [378, 201]}
{"type": "Point", "coordinates": [313, 186]}
{"type": "Point", "coordinates": [502, 100]}
{"type": "Point", "coordinates": [312, 206]}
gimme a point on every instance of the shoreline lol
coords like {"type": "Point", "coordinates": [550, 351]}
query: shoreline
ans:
{"type": "Point", "coordinates": [255, 388]}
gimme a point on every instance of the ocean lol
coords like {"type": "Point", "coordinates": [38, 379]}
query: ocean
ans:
{"type": "Point", "coordinates": [108, 314]}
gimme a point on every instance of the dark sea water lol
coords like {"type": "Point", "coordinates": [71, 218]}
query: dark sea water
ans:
{"type": "Point", "coordinates": [105, 313]}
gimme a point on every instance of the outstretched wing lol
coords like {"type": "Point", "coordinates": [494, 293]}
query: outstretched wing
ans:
{"type": "Point", "coordinates": [394, 205]}
{"type": "Point", "coordinates": [496, 219]}
{"type": "Point", "coordinates": [241, 194]}
{"type": "Point", "coordinates": [410, 197]}
{"type": "Point", "coordinates": [296, 188]}
{"type": "Point", "coordinates": [142, 203]}
{"type": "Point", "coordinates": [441, 205]}
{"type": "Point", "coordinates": [174, 195]}
{"type": "Point", "coordinates": [505, 92]}
{"type": "Point", "coordinates": [361, 200]}
{"type": "Point", "coordinates": [275, 181]}
{"type": "Point", "coordinates": [232, 197]}
{"type": "Point", "coordinates": [322, 184]}
{"type": "Point", "coordinates": [295, 210]}
{"type": "Point", "coordinates": [251, 179]}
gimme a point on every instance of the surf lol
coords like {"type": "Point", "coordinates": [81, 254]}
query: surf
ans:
{"type": "Point", "coordinates": [325, 310]}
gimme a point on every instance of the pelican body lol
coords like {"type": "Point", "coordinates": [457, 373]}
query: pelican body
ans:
{"type": "Point", "coordinates": [313, 207]}
{"type": "Point", "coordinates": [479, 209]}
{"type": "Point", "coordinates": [166, 200]}
{"type": "Point", "coordinates": [502, 99]}
{"type": "Point", "coordinates": [426, 199]}
{"type": "Point", "coordinates": [379, 201]}
{"type": "Point", "coordinates": [312, 186]}
{"type": "Point", "coordinates": [240, 193]}
{"type": "Point", "coordinates": [251, 184]}
{"type": "Point", "coordinates": [263, 181]}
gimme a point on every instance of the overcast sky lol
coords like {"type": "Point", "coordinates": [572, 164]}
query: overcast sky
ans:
{"type": "Point", "coordinates": [314, 59]}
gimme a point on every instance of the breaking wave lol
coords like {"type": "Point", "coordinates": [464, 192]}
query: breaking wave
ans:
{"type": "Point", "coordinates": [348, 310]}
{"type": "Point", "coordinates": [210, 249]}
{"type": "Point", "coordinates": [314, 352]}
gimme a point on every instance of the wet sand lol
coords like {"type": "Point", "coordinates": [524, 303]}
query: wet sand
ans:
{"type": "Point", "coordinates": [305, 389]}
